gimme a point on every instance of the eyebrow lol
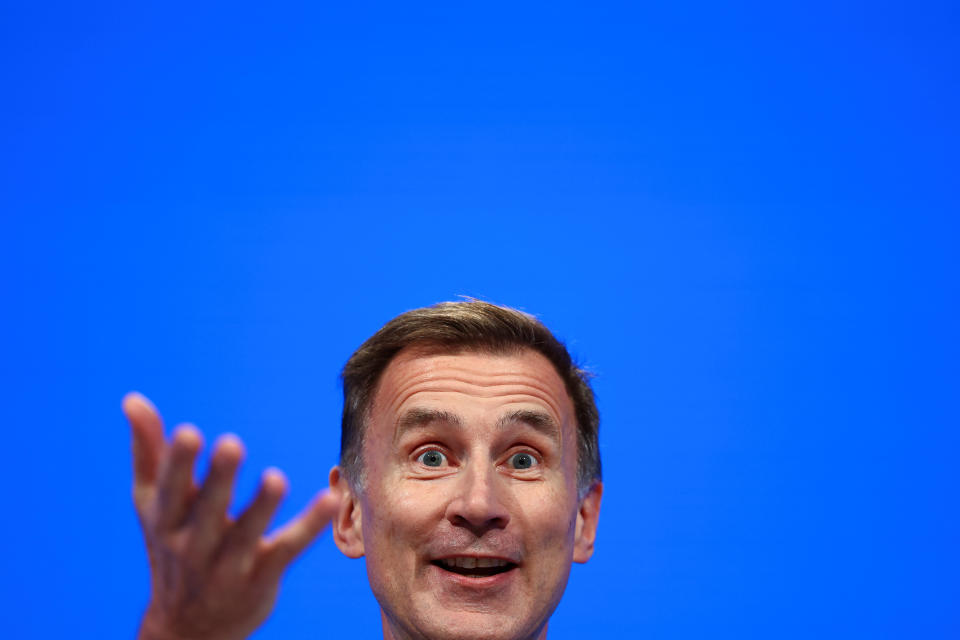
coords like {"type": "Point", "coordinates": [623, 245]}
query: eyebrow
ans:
{"type": "Point", "coordinates": [537, 420]}
{"type": "Point", "coordinates": [420, 417]}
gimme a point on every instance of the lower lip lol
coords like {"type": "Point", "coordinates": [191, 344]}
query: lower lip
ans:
{"type": "Point", "coordinates": [495, 581]}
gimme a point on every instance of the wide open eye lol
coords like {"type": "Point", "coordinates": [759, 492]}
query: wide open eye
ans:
{"type": "Point", "coordinates": [523, 461]}
{"type": "Point", "coordinates": [432, 458]}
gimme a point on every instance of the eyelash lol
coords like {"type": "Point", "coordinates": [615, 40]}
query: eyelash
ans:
{"type": "Point", "coordinates": [528, 451]}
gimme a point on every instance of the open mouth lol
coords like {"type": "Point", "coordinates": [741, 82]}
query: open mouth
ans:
{"type": "Point", "coordinates": [475, 567]}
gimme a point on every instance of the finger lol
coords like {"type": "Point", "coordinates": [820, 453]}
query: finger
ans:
{"type": "Point", "coordinates": [290, 541]}
{"type": "Point", "coordinates": [175, 484]}
{"type": "Point", "coordinates": [208, 516]}
{"type": "Point", "coordinates": [240, 549]}
{"type": "Point", "coordinates": [147, 442]}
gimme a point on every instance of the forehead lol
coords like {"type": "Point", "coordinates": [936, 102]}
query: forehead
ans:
{"type": "Point", "coordinates": [471, 379]}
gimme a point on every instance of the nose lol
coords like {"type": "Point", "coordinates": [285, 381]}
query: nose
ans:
{"type": "Point", "coordinates": [478, 504]}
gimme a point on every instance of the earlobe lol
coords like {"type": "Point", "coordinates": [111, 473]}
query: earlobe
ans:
{"type": "Point", "coordinates": [347, 529]}
{"type": "Point", "coordinates": [587, 518]}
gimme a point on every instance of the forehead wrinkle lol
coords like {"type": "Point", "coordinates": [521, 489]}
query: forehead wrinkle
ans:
{"type": "Point", "coordinates": [492, 379]}
{"type": "Point", "coordinates": [452, 364]}
{"type": "Point", "coordinates": [514, 390]}
{"type": "Point", "coordinates": [428, 375]}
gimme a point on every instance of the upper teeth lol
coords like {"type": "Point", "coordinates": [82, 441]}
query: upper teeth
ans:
{"type": "Point", "coordinates": [473, 563]}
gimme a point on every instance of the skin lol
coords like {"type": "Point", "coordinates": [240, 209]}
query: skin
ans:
{"type": "Point", "coordinates": [212, 577]}
{"type": "Point", "coordinates": [216, 578]}
{"type": "Point", "coordinates": [478, 411]}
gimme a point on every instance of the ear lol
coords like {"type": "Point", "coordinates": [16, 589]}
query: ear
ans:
{"type": "Point", "coordinates": [347, 530]}
{"type": "Point", "coordinates": [587, 518]}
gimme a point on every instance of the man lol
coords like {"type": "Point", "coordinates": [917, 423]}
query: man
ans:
{"type": "Point", "coordinates": [469, 478]}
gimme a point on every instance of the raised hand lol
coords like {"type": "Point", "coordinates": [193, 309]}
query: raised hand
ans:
{"type": "Point", "coordinates": [212, 577]}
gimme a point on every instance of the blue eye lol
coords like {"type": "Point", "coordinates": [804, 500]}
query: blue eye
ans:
{"type": "Point", "coordinates": [432, 458]}
{"type": "Point", "coordinates": [523, 461]}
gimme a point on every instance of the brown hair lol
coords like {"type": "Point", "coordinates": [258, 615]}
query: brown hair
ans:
{"type": "Point", "coordinates": [452, 327]}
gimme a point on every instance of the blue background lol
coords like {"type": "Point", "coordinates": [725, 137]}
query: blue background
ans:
{"type": "Point", "coordinates": [741, 216]}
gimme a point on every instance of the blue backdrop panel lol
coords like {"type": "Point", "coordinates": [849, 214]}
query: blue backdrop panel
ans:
{"type": "Point", "coordinates": [741, 217]}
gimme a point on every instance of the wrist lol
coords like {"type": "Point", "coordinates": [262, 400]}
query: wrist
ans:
{"type": "Point", "coordinates": [154, 627]}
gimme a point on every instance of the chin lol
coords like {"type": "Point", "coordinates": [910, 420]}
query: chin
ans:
{"type": "Point", "coordinates": [469, 625]}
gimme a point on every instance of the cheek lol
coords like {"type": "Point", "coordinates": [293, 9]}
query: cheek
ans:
{"type": "Point", "coordinates": [392, 536]}
{"type": "Point", "coordinates": [403, 513]}
{"type": "Point", "coordinates": [549, 517]}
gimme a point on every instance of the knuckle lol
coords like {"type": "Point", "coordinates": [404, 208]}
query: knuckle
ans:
{"type": "Point", "coordinates": [173, 546]}
{"type": "Point", "coordinates": [191, 551]}
{"type": "Point", "coordinates": [143, 500]}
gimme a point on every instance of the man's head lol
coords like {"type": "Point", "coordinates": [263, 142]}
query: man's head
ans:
{"type": "Point", "coordinates": [469, 495]}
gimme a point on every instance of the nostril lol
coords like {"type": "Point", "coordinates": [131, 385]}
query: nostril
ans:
{"type": "Point", "coordinates": [478, 505]}
{"type": "Point", "coordinates": [479, 525]}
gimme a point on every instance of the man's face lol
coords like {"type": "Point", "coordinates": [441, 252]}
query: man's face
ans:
{"type": "Point", "coordinates": [470, 516]}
